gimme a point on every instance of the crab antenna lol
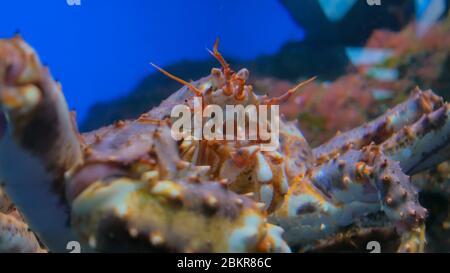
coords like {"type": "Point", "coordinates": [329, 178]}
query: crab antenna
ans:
{"type": "Point", "coordinates": [216, 54]}
{"type": "Point", "coordinates": [194, 89]}
{"type": "Point", "coordinates": [226, 67]}
{"type": "Point", "coordinates": [290, 92]}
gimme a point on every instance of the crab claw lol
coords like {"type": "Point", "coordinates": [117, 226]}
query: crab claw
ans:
{"type": "Point", "coordinates": [172, 216]}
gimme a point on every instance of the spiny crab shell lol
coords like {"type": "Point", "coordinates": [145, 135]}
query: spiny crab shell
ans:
{"type": "Point", "coordinates": [131, 187]}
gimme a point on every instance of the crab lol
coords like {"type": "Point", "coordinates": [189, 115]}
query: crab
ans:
{"type": "Point", "coordinates": [15, 235]}
{"type": "Point", "coordinates": [132, 187]}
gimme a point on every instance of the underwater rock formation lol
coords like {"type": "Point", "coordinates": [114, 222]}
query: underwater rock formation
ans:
{"type": "Point", "coordinates": [353, 28]}
{"type": "Point", "coordinates": [356, 97]}
{"type": "Point", "coordinates": [131, 187]}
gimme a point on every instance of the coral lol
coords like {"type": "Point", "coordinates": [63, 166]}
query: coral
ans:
{"type": "Point", "coordinates": [130, 186]}
{"type": "Point", "coordinates": [324, 109]}
{"type": "Point", "coordinates": [420, 60]}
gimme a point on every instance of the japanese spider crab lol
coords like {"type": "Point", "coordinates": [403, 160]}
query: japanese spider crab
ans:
{"type": "Point", "coordinates": [131, 187]}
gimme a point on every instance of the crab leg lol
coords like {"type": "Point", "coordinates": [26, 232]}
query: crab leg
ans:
{"type": "Point", "coordinates": [40, 143]}
{"type": "Point", "coordinates": [16, 237]}
{"type": "Point", "coordinates": [383, 127]}
{"type": "Point", "coordinates": [422, 145]}
{"type": "Point", "coordinates": [338, 192]}
{"type": "Point", "coordinates": [14, 233]}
